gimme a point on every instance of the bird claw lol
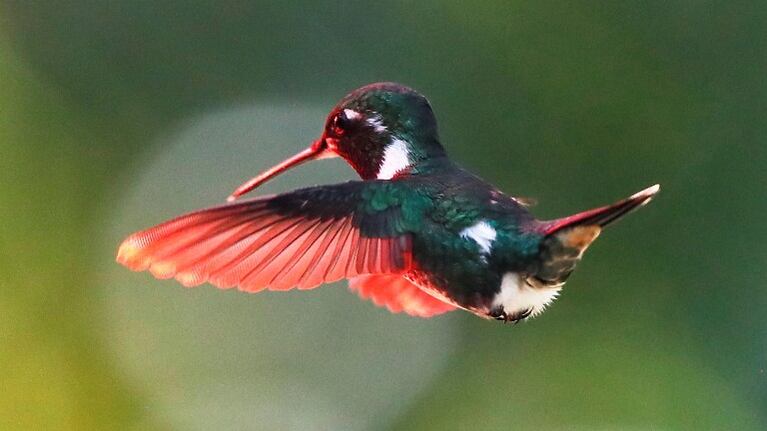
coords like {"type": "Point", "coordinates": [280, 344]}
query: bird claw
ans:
{"type": "Point", "coordinates": [500, 314]}
{"type": "Point", "coordinates": [522, 315]}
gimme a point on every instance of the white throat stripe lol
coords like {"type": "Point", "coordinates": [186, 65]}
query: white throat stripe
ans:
{"type": "Point", "coordinates": [395, 159]}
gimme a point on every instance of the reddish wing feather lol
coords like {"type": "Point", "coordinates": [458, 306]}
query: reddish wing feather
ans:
{"type": "Point", "coordinates": [398, 295]}
{"type": "Point", "coordinates": [252, 246]}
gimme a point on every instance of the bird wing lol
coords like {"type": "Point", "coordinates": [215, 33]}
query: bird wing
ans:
{"type": "Point", "coordinates": [398, 295]}
{"type": "Point", "coordinates": [299, 239]}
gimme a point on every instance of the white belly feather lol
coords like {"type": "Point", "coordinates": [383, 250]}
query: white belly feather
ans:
{"type": "Point", "coordinates": [517, 296]}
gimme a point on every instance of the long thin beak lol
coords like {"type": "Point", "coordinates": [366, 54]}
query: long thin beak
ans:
{"type": "Point", "coordinates": [318, 150]}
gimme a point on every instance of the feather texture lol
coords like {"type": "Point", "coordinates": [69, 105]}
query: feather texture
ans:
{"type": "Point", "coordinates": [300, 239]}
{"type": "Point", "coordinates": [398, 295]}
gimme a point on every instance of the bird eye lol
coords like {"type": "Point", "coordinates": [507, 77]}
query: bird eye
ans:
{"type": "Point", "coordinates": [339, 124]}
{"type": "Point", "coordinates": [343, 121]}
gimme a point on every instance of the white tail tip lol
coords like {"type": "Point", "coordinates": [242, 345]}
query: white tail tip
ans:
{"type": "Point", "coordinates": [647, 193]}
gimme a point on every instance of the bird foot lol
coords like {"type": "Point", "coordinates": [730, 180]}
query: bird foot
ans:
{"type": "Point", "coordinates": [500, 314]}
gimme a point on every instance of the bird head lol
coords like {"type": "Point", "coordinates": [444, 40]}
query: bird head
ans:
{"type": "Point", "coordinates": [382, 130]}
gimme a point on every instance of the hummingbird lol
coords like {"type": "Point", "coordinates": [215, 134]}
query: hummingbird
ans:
{"type": "Point", "coordinates": [417, 234]}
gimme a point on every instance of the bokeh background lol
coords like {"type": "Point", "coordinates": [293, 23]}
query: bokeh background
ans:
{"type": "Point", "coordinates": [115, 115]}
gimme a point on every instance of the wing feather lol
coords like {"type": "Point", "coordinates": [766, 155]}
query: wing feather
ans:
{"type": "Point", "coordinates": [398, 295]}
{"type": "Point", "coordinates": [299, 239]}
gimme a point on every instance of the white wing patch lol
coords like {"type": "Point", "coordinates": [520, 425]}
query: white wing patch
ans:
{"type": "Point", "coordinates": [396, 158]}
{"type": "Point", "coordinates": [482, 233]}
{"type": "Point", "coordinates": [517, 296]}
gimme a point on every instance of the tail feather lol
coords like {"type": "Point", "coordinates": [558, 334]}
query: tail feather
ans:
{"type": "Point", "coordinates": [566, 239]}
{"type": "Point", "coordinates": [605, 215]}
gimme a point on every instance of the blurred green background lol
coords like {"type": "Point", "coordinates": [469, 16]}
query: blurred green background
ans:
{"type": "Point", "coordinates": [117, 115]}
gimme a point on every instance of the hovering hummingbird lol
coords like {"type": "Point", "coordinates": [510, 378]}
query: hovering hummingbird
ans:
{"type": "Point", "coordinates": [418, 234]}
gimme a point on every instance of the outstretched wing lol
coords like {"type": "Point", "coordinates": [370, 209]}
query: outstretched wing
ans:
{"type": "Point", "coordinates": [398, 295]}
{"type": "Point", "coordinates": [299, 239]}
